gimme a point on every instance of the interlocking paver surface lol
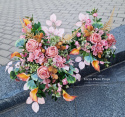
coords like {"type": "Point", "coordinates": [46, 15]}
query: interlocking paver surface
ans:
{"type": "Point", "coordinates": [66, 10]}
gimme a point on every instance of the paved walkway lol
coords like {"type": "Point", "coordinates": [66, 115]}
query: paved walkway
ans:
{"type": "Point", "coordinates": [66, 10]}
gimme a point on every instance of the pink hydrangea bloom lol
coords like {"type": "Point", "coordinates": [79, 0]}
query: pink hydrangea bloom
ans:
{"type": "Point", "coordinates": [85, 47]}
{"type": "Point", "coordinates": [65, 82]}
{"type": "Point", "coordinates": [111, 40]}
{"type": "Point", "coordinates": [31, 57]}
{"type": "Point", "coordinates": [97, 48]}
{"type": "Point", "coordinates": [59, 61]}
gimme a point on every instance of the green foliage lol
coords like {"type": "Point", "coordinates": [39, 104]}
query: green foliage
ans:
{"type": "Point", "coordinates": [13, 75]}
{"type": "Point", "coordinates": [70, 79]}
{"type": "Point", "coordinates": [31, 84]}
{"type": "Point", "coordinates": [40, 93]}
{"type": "Point", "coordinates": [97, 25]}
{"type": "Point", "coordinates": [36, 28]}
{"type": "Point", "coordinates": [20, 42]}
{"type": "Point", "coordinates": [54, 40]}
{"type": "Point", "coordinates": [42, 86]}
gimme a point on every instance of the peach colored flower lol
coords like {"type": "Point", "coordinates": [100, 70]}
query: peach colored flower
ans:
{"type": "Point", "coordinates": [51, 51]}
{"type": "Point", "coordinates": [32, 45]}
{"type": "Point", "coordinates": [43, 72]}
{"type": "Point", "coordinates": [111, 40]}
{"type": "Point", "coordinates": [95, 38]}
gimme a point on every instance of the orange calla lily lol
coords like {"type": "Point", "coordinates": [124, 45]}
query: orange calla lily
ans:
{"type": "Point", "coordinates": [15, 54]}
{"type": "Point", "coordinates": [67, 97]}
{"type": "Point", "coordinates": [33, 94]}
{"type": "Point", "coordinates": [26, 21]}
{"type": "Point", "coordinates": [23, 76]}
{"type": "Point", "coordinates": [75, 51]}
{"type": "Point", "coordinates": [96, 66]}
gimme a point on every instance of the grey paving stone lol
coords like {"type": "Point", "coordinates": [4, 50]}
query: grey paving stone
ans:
{"type": "Point", "coordinates": [3, 60]}
{"type": "Point", "coordinates": [4, 53]}
{"type": "Point", "coordinates": [6, 41]}
{"type": "Point", "coordinates": [5, 46]}
{"type": "Point", "coordinates": [100, 101]}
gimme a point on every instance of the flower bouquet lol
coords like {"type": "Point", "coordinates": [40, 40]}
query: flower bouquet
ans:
{"type": "Point", "coordinates": [93, 41]}
{"type": "Point", "coordinates": [44, 62]}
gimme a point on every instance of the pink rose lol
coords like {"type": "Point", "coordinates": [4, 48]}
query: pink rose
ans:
{"type": "Point", "coordinates": [32, 45]}
{"type": "Point", "coordinates": [29, 26]}
{"type": "Point", "coordinates": [65, 82]}
{"type": "Point", "coordinates": [95, 38]}
{"type": "Point", "coordinates": [52, 51]}
{"type": "Point", "coordinates": [78, 34]}
{"type": "Point", "coordinates": [95, 14]}
{"type": "Point", "coordinates": [59, 61]}
{"type": "Point", "coordinates": [24, 30]}
{"type": "Point", "coordinates": [111, 40]}
{"type": "Point", "coordinates": [43, 72]}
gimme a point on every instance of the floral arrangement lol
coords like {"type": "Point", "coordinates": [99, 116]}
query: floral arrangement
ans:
{"type": "Point", "coordinates": [44, 62]}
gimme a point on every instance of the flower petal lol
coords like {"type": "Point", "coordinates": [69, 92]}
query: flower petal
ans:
{"type": "Point", "coordinates": [74, 51]}
{"type": "Point", "coordinates": [15, 54]}
{"type": "Point", "coordinates": [6, 68]}
{"type": "Point", "coordinates": [78, 59]}
{"type": "Point", "coordinates": [51, 30]}
{"type": "Point", "coordinates": [76, 70]}
{"type": "Point", "coordinates": [10, 69]}
{"type": "Point", "coordinates": [60, 32]}
{"type": "Point", "coordinates": [41, 101]}
{"type": "Point", "coordinates": [26, 21]}
{"type": "Point", "coordinates": [10, 63]}
{"type": "Point", "coordinates": [79, 24]}
{"type": "Point", "coordinates": [87, 63]}
{"type": "Point", "coordinates": [29, 100]}
{"type": "Point", "coordinates": [25, 87]}
{"type": "Point", "coordinates": [67, 97]}
{"type": "Point", "coordinates": [81, 65]}
{"type": "Point", "coordinates": [35, 107]}
{"type": "Point", "coordinates": [81, 17]}
{"type": "Point", "coordinates": [96, 66]}
{"type": "Point", "coordinates": [53, 18]}
{"type": "Point", "coordinates": [58, 22]}
{"type": "Point", "coordinates": [23, 76]}
{"type": "Point", "coordinates": [78, 77]}
{"type": "Point", "coordinates": [33, 94]}
{"type": "Point", "coordinates": [48, 22]}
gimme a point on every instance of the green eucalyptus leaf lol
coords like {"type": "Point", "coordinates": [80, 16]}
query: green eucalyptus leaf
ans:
{"type": "Point", "coordinates": [97, 25]}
